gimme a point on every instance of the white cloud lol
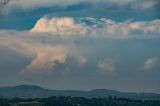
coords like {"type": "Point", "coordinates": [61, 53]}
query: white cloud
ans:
{"type": "Point", "coordinates": [151, 64]}
{"type": "Point", "coordinates": [59, 26]}
{"type": "Point", "coordinates": [81, 60]}
{"type": "Point", "coordinates": [98, 28]}
{"type": "Point", "coordinates": [106, 66]}
{"type": "Point", "coordinates": [46, 60]}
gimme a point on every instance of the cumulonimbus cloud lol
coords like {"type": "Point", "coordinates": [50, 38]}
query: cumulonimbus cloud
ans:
{"type": "Point", "coordinates": [45, 56]}
{"type": "Point", "coordinates": [97, 27]}
{"type": "Point", "coordinates": [47, 44]}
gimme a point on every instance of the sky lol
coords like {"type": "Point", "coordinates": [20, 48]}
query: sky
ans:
{"type": "Point", "coordinates": [81, 44]}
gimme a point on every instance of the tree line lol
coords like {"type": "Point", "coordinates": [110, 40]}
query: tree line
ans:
{"type": "Point", "coordinates": [77, 101]}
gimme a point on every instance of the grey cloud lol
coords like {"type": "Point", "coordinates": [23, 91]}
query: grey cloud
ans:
{"type": "Point", "coordinates": [27, 5]}
{"type": "Point", "coordinates": [4, 2]}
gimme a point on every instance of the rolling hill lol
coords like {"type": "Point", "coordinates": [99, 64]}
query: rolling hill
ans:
{"type": "Point", "coordinates": [30, 91]}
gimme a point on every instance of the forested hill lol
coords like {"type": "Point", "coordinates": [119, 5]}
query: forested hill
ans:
{"type": "Point", "coordinates": [29, 91]}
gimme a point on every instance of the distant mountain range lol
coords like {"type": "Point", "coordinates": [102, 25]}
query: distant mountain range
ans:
{"type": "Point", "coordinates": [30, 91]}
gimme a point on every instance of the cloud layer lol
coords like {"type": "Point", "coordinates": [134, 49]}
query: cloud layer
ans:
{"type": "Point", "coordinates": [41, 3]}
{"type": "Point", "coordinates": [97, 27]}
